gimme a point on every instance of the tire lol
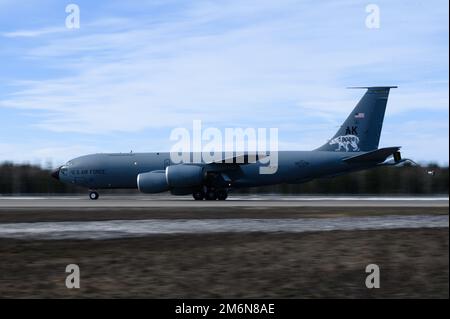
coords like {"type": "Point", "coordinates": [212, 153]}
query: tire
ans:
{"type": "Point", "coordinates": [222, 194]}
{"type": "Point", "coordinates": [93, 195]}
{"type": "Point", "coordinates": [199, 195]}
{"type": "Point", "coordinates": [211, 195]}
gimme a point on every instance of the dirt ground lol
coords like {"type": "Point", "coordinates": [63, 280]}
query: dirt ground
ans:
{"type": "Point", "coordinates": [413, 263]}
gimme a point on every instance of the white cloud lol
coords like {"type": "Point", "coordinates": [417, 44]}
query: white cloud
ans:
{"type": "Point", "coordinates": [34, 33]}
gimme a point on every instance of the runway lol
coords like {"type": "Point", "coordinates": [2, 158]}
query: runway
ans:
{"type": "Point", "coordinates": [139, 201]}
{"type": "Point", "coordinates": [77, 217]}
{"type": "Point", "coordinates": [140, 228]}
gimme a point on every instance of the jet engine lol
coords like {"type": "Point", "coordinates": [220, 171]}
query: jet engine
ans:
{"type": "Point", "coordinates": [180, 176]}
{"type": "Point", "coordinates": [152, 182]}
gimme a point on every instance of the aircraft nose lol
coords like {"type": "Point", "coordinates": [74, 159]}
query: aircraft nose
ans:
{"type": "Point", "coordinates": [55, 173]}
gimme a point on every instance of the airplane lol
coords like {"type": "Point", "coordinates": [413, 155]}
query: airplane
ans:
{"type": "Point", "coordinates": [354, 147]}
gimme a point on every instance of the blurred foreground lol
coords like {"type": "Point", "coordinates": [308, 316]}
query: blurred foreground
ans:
{"type": "Point", "coordinates": [241, 262]}
{"type": "Point", "coordinates": [413, 263]}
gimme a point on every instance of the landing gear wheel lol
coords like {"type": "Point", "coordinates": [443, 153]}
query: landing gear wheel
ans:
{"type": "Point", "coordinates": [222, 194]}
{"type": "Point", "coordinates": [93, 195]}
{"type": "Point", "coordinates": [198, 195]}
{"type": "Point", "coordinates": [211, 195]}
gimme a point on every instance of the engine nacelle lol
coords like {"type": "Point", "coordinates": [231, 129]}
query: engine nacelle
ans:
{"type": "Point", "coordinates": [179, 178]}
{"type": "Point", "coordinates": [152, 182]}
{"type": "Point", "coordinates": [183, 176]}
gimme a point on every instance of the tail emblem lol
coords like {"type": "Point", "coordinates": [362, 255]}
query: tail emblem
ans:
{"type": "Point", "coordinates": [345, 142]}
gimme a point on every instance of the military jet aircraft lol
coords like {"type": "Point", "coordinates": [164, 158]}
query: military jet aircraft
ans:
{"type": "Point", "coordinates": [353, 147]}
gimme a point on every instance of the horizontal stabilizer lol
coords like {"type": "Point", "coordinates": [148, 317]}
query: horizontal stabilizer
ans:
{"type": "Point", "coordinates": [376, 156]}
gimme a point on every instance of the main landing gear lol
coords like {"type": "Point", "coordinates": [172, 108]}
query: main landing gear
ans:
{"type": "Point", "coordinates": [198, 195]}
{"type": "Point", "coordinates": [93, 195]}
{"type": "Point", "coordinates": [210, 194]}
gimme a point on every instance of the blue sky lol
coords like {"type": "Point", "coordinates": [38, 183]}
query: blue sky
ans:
{"type": "Point", "coordinates": [135, 70]}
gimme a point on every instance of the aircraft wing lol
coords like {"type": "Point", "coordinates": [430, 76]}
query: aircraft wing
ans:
{"type": "Point", "coordinates": [376, 156]}
{"type": "Point", "coordinates": [242, 159]}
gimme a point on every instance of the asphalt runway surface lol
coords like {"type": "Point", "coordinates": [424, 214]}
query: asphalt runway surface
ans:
{"type": "Point", "coordinates": [112, 201]}
{"type": "Point", "coordinates": [140, 228]}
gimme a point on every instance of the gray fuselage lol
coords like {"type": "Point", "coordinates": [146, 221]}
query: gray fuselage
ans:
{"type": "Point", "coordinates": [120, 170]}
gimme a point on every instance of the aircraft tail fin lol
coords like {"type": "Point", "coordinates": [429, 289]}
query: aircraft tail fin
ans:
{"type": "Point", "coordinates": [362, 129]}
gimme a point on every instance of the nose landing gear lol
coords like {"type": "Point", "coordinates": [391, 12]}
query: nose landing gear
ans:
{"type": "Point", "coordinates": [93, 195]}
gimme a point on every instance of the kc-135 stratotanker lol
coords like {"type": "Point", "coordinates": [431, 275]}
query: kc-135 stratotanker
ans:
{"type": "Point", "coordinates": [354, 147]}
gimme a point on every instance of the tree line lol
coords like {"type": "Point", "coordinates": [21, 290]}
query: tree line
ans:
{"type": "Point", "coordinates": [412, 180]}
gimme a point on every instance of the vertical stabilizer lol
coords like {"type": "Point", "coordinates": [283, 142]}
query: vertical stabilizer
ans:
{"type": "Point", "coordinates": [362, 129]}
